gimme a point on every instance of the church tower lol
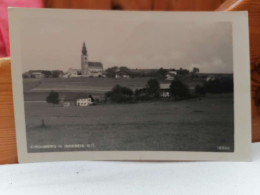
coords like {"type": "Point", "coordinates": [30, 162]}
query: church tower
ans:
{"type": "Point", "coordinates": [84, 60]}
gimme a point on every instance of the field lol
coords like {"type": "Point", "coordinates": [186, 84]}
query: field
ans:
{"type": "Point", "coordinates": [190, 125]}
{"type": "Point", "coordinates": [38, 89]}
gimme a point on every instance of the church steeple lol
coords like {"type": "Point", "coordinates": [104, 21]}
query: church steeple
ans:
{"type": "Point", "coordinates": [84, 49]}
{"type": "Point", "coordinates": [84, 60]}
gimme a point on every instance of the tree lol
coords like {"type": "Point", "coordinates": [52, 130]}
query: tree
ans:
{"type": "Point", "coordinates": [120, 94]}
{"type": "Point", "coordinates": [195, 70]}
{"type": "Point", "coordinates": [142, 94]}
{"type": "Point", "coordinates": [57, 73]}
{"type": "Point", "coordinates": [178, 90]}
{"type": "Point", "coordinates": [153, 88]}
{"type": "Point", "coordinates": [46, 73]}
{"type": "Point", "coordinates": [161, 73]}
{"type": "Point", "coordinates": [91, 97]}
{"type": "Point", "coordinates": [182, 72]}
{"type": "Point", "coordinates": [124, 69]}
{"type": "Point", "coordinates": [220, 85]}
{"type": "Point", "coordinates": [200, 90]}
{"type": "Point", "coordinates": [26, 75]}
{"type": "Point", "coordinates": [53, 97]}
{"type": "Point", "coordinates": [111, 72]}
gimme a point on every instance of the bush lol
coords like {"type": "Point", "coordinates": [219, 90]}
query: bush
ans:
{"type": "Point", "coordinates": [25, 76]}
{"type": "Point", "coordinates": [178, 90]}
{"type": "Point", "coordinates": [120, 95]}
{"type": "Point", "coordinates": [161, 73]}
{"type": "Point", "coordinates": [53, 97]}
{"type": "Point", "coordinates": [224, 85]}
{"type": "Point", "coordinates": [153, 88]}
{"type": "Point", "coordinates": [200, 90]}
{"type": "Point", "coordinates": [142, 95]}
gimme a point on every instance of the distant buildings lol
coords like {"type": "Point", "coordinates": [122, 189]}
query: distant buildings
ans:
{"type": "Point", "coordinates": [38, 74]}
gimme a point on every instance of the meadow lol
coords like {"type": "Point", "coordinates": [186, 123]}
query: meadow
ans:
{"type": "Point", "coordinates": [191, 125]}
{"type": "Point", "coordinates": [38, 89]}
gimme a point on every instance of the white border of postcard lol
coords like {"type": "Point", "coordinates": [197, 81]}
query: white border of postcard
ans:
{"type": "Point", "coordinates": [242, 106]}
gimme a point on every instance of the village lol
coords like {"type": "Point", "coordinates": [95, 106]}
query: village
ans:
{"type": "Point", "coordinates": [157, 84]}
{"type": "Point", "coordinates": [143, 102]}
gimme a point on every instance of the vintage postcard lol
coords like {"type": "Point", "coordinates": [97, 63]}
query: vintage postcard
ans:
{"type": "Point", "coordinates": [118, 85]}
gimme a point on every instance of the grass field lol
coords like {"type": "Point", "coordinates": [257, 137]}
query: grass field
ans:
{"type": "Point", "coordinates": [38, 89]}
{"type": "Point", "coordinates": [190, 125]}
{"type": "Point", "coordinates": [91, 85]}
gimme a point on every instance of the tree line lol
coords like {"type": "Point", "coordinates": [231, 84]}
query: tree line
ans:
{"type": "Point", "coordinates": [159, 73]}
{"type": "Point", "coordinates": [177, 91]}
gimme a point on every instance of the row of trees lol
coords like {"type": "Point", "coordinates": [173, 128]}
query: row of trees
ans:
{"type": "Point", "coordinates": [120, 94]}
{"type": "Point", "coordinates": [177, 91]}
{"type": "Point", "coordinates": [159, 74]}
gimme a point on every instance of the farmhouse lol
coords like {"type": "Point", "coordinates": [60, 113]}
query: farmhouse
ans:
{"type": "Point", "coordinates": [77, 100]}
{"type": "Point", "coordinates": [121, 74]}
{"type": "Point", "coordinates": [36, 74]}
{"type": "Point", "coordinates": [165, 90]}
{"type": "Point", "coordinates": [171, 75]}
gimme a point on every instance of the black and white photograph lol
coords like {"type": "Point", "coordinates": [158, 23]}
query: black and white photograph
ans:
{"type": "Point", "coordinates": [137, 83]}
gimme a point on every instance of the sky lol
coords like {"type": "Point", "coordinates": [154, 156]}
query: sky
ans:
{"type": "Point", "coordinates": [56, 44]}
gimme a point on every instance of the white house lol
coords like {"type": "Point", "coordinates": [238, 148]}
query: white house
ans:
{"type": "Point", "coordinates": [165, 90]}
{"type": "Point", "coordinates": [37, 75]}
{"type": "Point", "coordinates": [77, 100]}
{"type": "Point", "coordinates": [121, 74]}
{"type": "Point", "coordinates": [84, 101]}
{"type": "Point", "coordinates": [171, 75]}
{"type": "Point", "coordinates": [72, 72]}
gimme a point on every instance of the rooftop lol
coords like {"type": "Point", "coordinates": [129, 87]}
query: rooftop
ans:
{"type": "Point", "coordinates": [95, 65]}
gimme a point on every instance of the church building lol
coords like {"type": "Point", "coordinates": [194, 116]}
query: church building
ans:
{"type": "Point", "coordinates": [88, 69]}
{"type": "Point", "coordinates": [94, 69]}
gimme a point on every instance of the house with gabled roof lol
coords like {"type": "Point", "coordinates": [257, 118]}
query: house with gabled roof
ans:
{"type": "Point", "coordinates": [80, 99]}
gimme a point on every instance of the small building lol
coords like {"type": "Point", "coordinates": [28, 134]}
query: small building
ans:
{"type": "Point", "coordinates": [83, 100]}
{"type": "Point", "coordinates": [125, 76]}
{"type": "Point", "coordinates": [170, 76]}
{"type": "Point", "coordinates": [165, 90]}
{"type": "Point", "coordinates": [122, 74]}
{"type": "Point", "coordinates": [37, 75]}
{"type": "Point", "coordinates": [72, 72]}
{"type": "Point", "coordinates": [77, 100]}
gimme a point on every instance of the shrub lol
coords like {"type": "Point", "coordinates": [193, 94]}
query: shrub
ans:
{"type": "Point", "coordinates": [178, 90]}
{"type": "Point", "coordinates": [120, 95]}
{"type": "Point", "coordinates": [200, 90]}
{"type": "Point", "coordinates": [153, 88]}
{"type": "Point", "coordinates": [53, 97]}
{"type": "Point", "coordinates": [218, 85]}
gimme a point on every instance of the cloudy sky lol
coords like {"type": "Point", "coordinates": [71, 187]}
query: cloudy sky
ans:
{"type": "Point", "coordinates": [56, 44]}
